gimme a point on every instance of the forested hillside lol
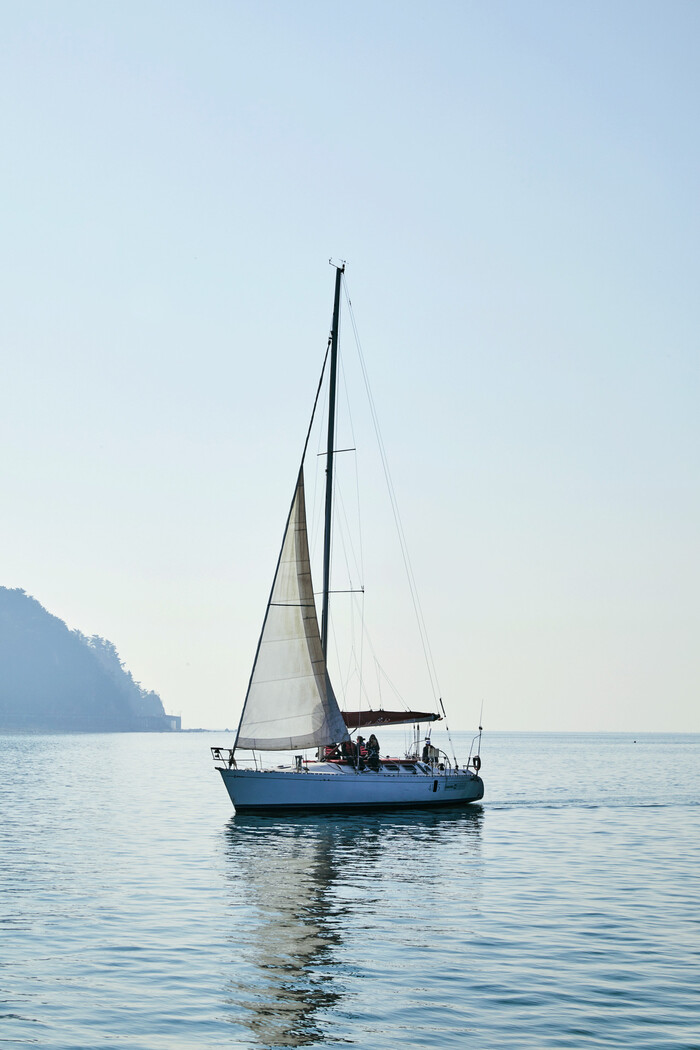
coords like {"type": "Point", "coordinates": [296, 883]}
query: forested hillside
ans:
{"type": "Point", "coordinates": [53, 678]}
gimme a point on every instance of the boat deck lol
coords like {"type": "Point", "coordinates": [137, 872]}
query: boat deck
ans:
{"type": "Point", "coordinates": [390, 766]}
{"type": "Point", "coordinates": [387, 766]}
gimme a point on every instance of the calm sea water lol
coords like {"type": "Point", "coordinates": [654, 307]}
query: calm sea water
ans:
{"type": "Point", "coordinates": [136, 911]}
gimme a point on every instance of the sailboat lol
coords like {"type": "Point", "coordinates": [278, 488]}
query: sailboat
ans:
{"type": "Point", "coordinates": [290, 704]}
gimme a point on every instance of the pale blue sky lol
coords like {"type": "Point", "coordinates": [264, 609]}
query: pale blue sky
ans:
{"type": "Point", "coordinates": [515, 189]}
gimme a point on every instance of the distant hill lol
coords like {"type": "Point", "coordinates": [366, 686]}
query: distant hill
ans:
{"type": "Point", "coordinates": [52, 678]}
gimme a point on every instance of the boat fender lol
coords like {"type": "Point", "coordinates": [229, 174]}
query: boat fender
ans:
{"type": "Point", "coordinates": [476, 762]}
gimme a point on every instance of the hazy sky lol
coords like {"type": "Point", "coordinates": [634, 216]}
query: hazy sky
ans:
{"type": "Point", "coordinates": [514, 186]}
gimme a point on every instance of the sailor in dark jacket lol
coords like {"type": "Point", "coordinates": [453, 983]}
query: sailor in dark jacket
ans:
{"type": "Point", "coordinates": [373, 753]}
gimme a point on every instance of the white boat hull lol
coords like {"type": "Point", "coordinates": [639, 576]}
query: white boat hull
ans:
{"type": "Point", "coordinates": [329, 788]}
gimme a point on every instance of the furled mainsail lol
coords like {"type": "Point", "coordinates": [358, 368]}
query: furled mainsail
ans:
{"type": "Point", "coordinates": [290, 702]}
{"type": "Point", "coordinates": [368, 717]}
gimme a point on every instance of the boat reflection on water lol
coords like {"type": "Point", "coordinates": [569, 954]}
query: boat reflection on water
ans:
{"type": "Point", "coordinates": [313, 898]}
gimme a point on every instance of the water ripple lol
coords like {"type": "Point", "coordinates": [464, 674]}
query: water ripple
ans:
{"type": "Point", "coordinates": [138, 912]}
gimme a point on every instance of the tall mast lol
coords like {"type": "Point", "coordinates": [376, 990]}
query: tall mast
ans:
{"type": "Point", "coordinates": [340, 270]}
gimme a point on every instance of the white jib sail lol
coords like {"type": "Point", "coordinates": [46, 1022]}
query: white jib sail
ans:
{"type": "Point", "coordinates": [290, 703]}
